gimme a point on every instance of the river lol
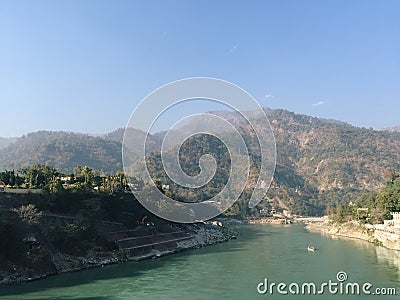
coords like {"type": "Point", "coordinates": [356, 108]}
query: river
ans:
{"type": "Point", "coordinates": [232, 270]}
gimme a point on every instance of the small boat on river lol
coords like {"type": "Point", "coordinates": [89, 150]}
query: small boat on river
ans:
{"type": "Point", "coordinates": [310, 248]}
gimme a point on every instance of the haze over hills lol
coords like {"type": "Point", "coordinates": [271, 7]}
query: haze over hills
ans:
{"type": "Point", "coordinates": [319, 162]}
{"type": "Point", "coordinates": [4, 142]}
{"type": "Point", "coordinates": [393, 129]}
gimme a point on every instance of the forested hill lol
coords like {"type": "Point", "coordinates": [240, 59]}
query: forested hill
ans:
{"type": "Point", "coordinates": [66, 150]}
{"type": "Point", "coordinates": [320, 161]}
{"type": "Point", "coordinates": [335, 159]}
{"type": "Point", "coordinates": [63, 151]}
{"type": "Point", "coordinates": [335, 155]}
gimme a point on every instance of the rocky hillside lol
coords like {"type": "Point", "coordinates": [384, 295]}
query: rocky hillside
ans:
{"type": "Point", "coordinates": [336, 160]}
{"type": "Point", "coordinates": [334, 156]}
{"type": "Point", "coordinates": [320, 162]}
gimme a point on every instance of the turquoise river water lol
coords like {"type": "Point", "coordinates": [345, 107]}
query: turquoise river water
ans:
{"type": "Point", "coordinates": [234, 269]}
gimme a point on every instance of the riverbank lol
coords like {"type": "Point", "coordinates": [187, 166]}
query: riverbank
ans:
{"type": "Point", "coordinates": [347, 230]}
{"type": "Point", "coordinates": [287, 220]}
{"type": "Point", "coordinates": [201, 235]}
{"type": "Point", "coordinates": [274, 221]}
{"type": "Point", "coordinates": [354, 230]}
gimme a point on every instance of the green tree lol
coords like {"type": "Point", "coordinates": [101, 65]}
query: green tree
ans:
{"type": "Point", "coordinates": [40, 175]}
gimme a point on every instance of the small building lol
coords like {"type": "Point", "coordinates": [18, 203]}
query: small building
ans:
{"type": "Point", "coordinates": [362, 210]}
{"type": "Point", "coordinates": [396, 219]}
{"type": "Point", "coordinates": [264, 211]}
{"type": "Point", "coordinates": [65, 179]}
{"type": "Point", "coordinates": [395, 222]}
{"type": "Point", "coordinates": [287, 213]}
{"type": "Point", "coordinates": [2, 187]}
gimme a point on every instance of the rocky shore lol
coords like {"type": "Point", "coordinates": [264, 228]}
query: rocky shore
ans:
{"type": "Point", "coordinates": [348, 230]}
{"type": "Point", "coordinates": [61, 263]}
{"type": "Point", "coordinates": [355, 230]}
{"type": "Point", "coordinates": [203, 235]}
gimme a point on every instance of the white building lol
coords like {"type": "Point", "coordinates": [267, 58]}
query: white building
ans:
{"type": "Point", "coordinates": [395, 222]}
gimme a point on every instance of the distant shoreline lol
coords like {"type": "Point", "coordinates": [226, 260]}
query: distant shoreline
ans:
{"type": "Point", "coordinates": [353, 230]}
{"type": "Point", "coordinates": [286, 220]}
{"type": "Point", "coordinates": [279, 221]}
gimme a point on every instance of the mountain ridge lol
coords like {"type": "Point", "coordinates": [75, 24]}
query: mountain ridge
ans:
{"type": "Point", "coordinates": [319, 162]}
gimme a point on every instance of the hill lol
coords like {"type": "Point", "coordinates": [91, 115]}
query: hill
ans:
{"type": "Point", "coordinates": [320, 162]}
{"type": "Point", "coordinates": [336, 160]}
{"type": "Point", "coordinates": [4, 142]}
{"type": "Point", "coordinates": [62, 150]}
{"type": "Point", "coordinates": [65, 150]}
{"type": "Point", "coordinates": [393, 129]}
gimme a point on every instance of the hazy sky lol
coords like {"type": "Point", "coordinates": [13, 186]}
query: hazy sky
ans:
{"type": "Point", "coordinates": [84, 65]}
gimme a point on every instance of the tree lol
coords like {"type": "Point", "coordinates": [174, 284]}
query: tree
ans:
{"type": "Point", "coordinates": [85, 174]}
{"type": "Point", "coordinates": [11, 178]}
{"type": "Point", "coordinates": [56, 186]}
{"type": "Point", "coordinates": [29, 214]}
{"type": "Point", "coordinates": [40, 175]}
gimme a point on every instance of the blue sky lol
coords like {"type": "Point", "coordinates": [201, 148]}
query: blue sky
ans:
{"type": "Point", "coordinates": [84, 65]}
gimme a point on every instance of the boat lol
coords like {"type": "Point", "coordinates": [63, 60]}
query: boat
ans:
{"type": "Point", "coordinates": [310, 249]}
